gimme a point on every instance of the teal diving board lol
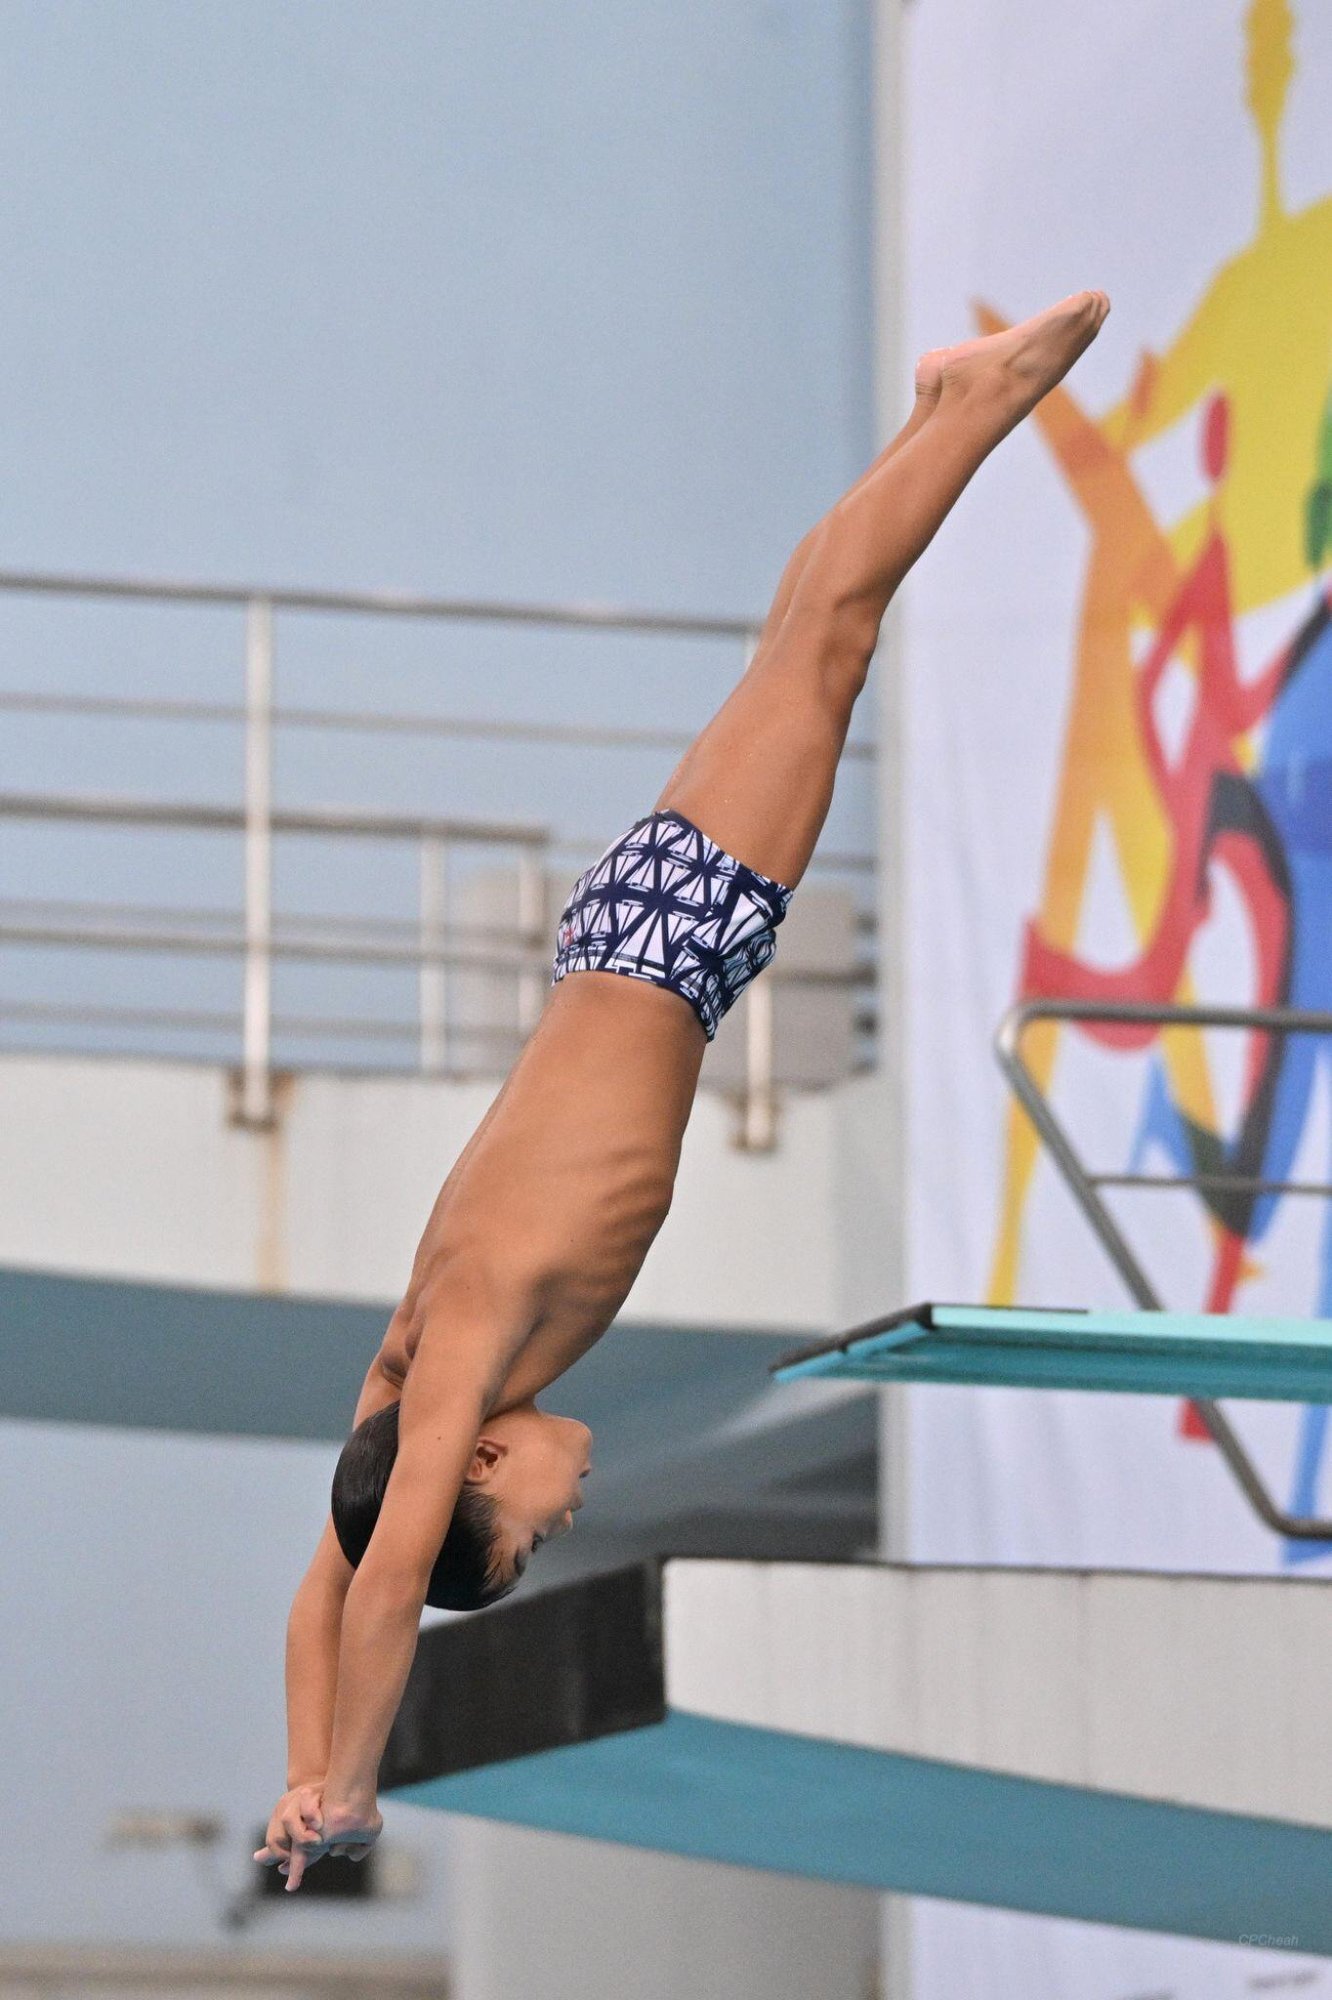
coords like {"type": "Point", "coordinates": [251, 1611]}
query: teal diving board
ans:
{"type": "Point", "coordinates": [1206, 1355]}
{"type": "Point", "coordinates": [848, 1731]}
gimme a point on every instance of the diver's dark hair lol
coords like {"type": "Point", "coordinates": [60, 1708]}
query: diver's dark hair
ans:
{"type": "Point", "coordinates": [466, 1576]}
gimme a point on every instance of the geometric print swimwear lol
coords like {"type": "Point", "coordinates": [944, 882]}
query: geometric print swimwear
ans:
{"type": "Point", "coordinates": [666, 904]}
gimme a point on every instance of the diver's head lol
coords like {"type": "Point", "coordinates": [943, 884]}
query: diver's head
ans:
{"type": "Point", "coordinates": [530, 1467]}
{"type": "Point", "coordinates": [522, 1488]}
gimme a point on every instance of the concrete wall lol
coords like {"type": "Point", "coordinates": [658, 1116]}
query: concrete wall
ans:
{"type": "Point", "coordinates": [146, 1579]}
{"type": "Point", "coordinates": [1200, 1691]}
{"type": "Point", "coordinates": [134, 1169]}
{"type": "Point", "coordinates": [610, 1921]}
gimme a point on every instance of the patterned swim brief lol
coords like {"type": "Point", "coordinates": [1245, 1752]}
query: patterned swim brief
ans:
{"type": "Point", "coordinates": [666, 904]}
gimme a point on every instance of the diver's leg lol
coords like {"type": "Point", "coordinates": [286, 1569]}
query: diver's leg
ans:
{"type": "Point", "coordinates": [927, 398]}
{"type": "Point", "coordinates": [759, 779]}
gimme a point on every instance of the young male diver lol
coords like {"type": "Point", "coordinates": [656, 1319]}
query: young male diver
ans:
{"type": "Point", "coordinates": [452, 1477]}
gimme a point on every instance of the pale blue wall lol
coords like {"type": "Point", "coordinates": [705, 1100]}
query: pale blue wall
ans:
{"type": "Point", "coordinates": [524, 299]}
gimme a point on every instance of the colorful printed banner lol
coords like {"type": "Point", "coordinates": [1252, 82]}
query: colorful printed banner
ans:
{"type": "Point", "coordinates": [1119, 782]}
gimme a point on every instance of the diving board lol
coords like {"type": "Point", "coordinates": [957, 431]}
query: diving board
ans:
{"type": "Point", "coordinates": [1134, 1749]}
{"type": "Point", "coordinates": [1206, 1355]}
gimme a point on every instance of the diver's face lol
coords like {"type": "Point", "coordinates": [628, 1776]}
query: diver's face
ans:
{"type": "Point", "coordinates": [533, 1466]}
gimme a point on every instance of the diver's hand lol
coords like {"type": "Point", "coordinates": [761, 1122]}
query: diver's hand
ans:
{"type": "Point", "coordinates": [352, 1829]}
{"type": "Point", "coordinates": [295, 1826]}
{"type": "Point", "coordinates": [305, 1827]}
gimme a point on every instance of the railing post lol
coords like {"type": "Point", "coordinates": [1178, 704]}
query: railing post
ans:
{"type": "Point", "coordinates": [758, 1110]}
{"type": "Point", "coordinates": [531, 916]}
{"type": "Point", "coordinates": [434, 979]}
{"type": "Point", "coordinates": [256, 1103]}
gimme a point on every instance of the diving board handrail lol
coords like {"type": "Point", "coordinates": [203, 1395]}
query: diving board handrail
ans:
{"type": "Point", "coordinates": [1085, 1186]}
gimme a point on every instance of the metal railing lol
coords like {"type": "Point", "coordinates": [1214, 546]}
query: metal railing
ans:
{"type": "Point", "coordinates": [432, 947]}
{"type": "Point", "coordinates": [440, 947]}
{"type": "Point", "coordinates": [1085, 1185]}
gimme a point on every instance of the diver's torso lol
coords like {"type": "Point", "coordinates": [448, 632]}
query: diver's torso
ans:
{"type": "Point", "coordinates": [569, 1176]}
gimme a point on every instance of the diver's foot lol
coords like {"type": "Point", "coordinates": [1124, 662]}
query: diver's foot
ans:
{"type": "Point", "coordinates": [1023, 363]}
{"type": "Point", "coordinates": [929, 378]}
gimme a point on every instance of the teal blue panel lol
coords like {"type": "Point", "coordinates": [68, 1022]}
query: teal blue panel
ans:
{"type": "Point", "coordinates": [1148, 1353]}
{"type": "Point", "coordinates": [181, 1358]}
{"type": "Point", "coordinates": [239, 1364]}
{"type": "Point", "coordinates": [724, 1792]}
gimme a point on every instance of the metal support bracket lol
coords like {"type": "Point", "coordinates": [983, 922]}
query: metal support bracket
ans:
{"type": "Point", "coordinates": [1085, 1186]}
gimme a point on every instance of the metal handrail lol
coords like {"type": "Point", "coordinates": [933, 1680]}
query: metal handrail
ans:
{"type": "Point", "coordinates": [527, 955]}
{"type": "Point", "coordinates": [433, 951]}
{"type": "Point", "coordinates": [310, 951]}
{"type": "Point", "coordinates": [267, 938]}
{"type": "Point", "coordinates": [193, 920]}
{"type": "Point", "coordinates": [196, 1020]}
{"type": "Point", "coordinates": [332, 820]}
{"type": "Point", "coordinates": [231, 819]}
{"type": "Point", "coordinates": [261, 603]}
{"type": "Point", "coordinates": [1085, 1186]}
{"type": "Point", "coordinates": [369, 722]}
{"type": "Point", "coordinates": [379, 603]}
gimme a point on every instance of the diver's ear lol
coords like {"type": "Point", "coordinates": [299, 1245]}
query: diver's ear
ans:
{"type": "Point", "coordinates": [486, 1459]}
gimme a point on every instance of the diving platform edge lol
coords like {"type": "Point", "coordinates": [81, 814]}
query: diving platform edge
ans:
{"type": "Point", "coordinates": [1206, 1355]}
